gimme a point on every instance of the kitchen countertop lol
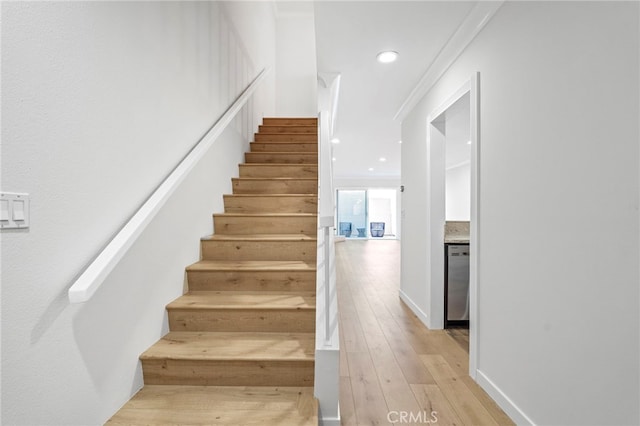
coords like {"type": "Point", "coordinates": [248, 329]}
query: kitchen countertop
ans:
{"type": "Point", "coordinates": [456, 232]}
{"type": "Point", "coordinates": [456, 240]}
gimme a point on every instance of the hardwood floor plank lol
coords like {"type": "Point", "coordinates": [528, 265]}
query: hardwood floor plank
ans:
{"type": "Point", "coordinates": [344, 364]}
{"type": "Point", "coordinates": [347, 407]}
{"type": "Point", "coordinates": [383, 348]}
{"type": "Point", "coordinates": [496, 412]}
{"type": "Point", "coordinates": [354, 339]}
{"type": "Point", "coordinates": [461, 336]}
{"type": "Point", "coordinates": [432, 400]}
{"type": "Point", "coordinates": [369, 403]}
{"type": "Point", "coordinates": [396, 389]}
{"type": "Point", "coordinates": [464, 402]}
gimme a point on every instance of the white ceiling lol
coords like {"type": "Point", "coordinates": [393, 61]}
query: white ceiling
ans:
{"type": "Point", "coordinates": [349, 35]}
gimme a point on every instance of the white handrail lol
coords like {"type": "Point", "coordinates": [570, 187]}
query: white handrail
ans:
{"type": "Point", "coordinates": [95, 274]}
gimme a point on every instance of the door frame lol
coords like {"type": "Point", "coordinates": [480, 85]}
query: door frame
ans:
{"type": "Point", "coordinates": [436, 212]}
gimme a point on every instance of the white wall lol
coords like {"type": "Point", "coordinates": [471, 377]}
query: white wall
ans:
{"type": "Point", "coordinates": [558, 318]}
{"type": "Point", "coordinates": [100, 100]}
{"type": "Point", "coordinates": [458, 192]}
{"type": "Point", "coordinates": [296, 70]}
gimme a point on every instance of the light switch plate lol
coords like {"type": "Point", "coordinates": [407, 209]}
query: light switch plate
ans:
{"type": "Point", "coordinates": [14, 210]}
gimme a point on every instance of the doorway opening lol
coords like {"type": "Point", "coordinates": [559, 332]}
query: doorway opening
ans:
{"type": "Point", "coordinates": [452, 210]}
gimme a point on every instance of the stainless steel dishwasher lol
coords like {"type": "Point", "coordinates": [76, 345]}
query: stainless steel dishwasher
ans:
{"type": "Point", "coordinates": [456, 295]}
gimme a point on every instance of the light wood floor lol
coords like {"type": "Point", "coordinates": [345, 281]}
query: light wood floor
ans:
{"type": "Point", "coordinates": [390, 363]}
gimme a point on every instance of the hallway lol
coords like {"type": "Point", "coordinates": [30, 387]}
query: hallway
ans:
{"type": "Point", "coordinates": [392, 368]}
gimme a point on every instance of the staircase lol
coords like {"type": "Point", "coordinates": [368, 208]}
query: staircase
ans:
{"type": "Point", "coordinates": [241, 344]}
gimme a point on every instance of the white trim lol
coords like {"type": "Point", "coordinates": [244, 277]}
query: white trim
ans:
{"type": "Point", "coordinates": [474, 221]}
{"type": "Point", "coordinates": [455, 166]}
{"type": "Point", "coordinates": [91, 278]}
{"type": "Point", "coordinates": [455, 97]}
{"type": "Point", "coordinates": [330, 421]}
{"type": "Point", "coordinates": [435, 210]}
{"type": "Point", "coordinates": [414, 307]}
{"type": "Point", "coordinates": [470, 27]}
{"type": "Point", "coordinates": [507, 405]}
{"type": "Point", "coordinates": [436, 213]}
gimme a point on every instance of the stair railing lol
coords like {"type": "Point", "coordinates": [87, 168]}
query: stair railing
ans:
{"type": "Point", "coordinates": [327, 354]}
{"type": "Point", "coordinates": [94, 275]}
{"type": "Point", "coordinates": [326, 224]}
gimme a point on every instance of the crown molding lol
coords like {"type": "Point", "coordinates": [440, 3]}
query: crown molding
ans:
{"type": "Point", "coordinates": [469, 28]}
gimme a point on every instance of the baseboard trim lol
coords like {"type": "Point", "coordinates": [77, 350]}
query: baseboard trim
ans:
{"type": "Point", "coordinates": [507, 405]}
{"type": "Point", "coordinates": [414, 308]}
{"type": "Point", "coordinates": [330, 421]}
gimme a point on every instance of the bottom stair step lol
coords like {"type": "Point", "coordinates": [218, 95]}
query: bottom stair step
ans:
{"type": "Point", "coordinates": [219, 405]}
{"type": "Point", "coordinates": [230, 359]}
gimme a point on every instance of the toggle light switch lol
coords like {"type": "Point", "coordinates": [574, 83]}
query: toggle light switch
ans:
{"type": "Point", "coordinates": [4, 210]}
{"type": "Point", "coordinates": [14, 210]}
{"type": "Point", "coordinates": [18, 210]}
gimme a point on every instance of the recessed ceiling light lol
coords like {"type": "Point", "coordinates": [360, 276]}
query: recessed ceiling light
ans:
{"type": "Point", "coordinates": [370, 169]}
{"type": "Point", "coordinates": [468, 142]}
{"type": "Point", "coordinates": [333, 159]}
{"type": "Point", "coordinates": [387, 56]}
{"type": "Point", "coordinates": [335, 140]}
{"type": "Point", "coordinates": [399, 141]}
{"type": "Point", "coordinates": [382, 159]}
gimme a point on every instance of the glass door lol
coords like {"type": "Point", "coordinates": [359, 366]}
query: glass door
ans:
{"type": "Point", "coordinates": [382, 212]}
{"type": "Point", "coordinates": [352, 213]}
{"type": "Point", "coordinates": [366, 213]}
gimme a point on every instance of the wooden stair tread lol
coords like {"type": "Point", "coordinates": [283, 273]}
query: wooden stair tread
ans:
{"type": "Point", "coordinates": [313, 120]}
{"type": "Point", "coordinates": [310, 126]}
{"type": "Point", "coordinates": [252, 265]}
{"type": "Point", "coordinates": [219, 405]}
{"type": "Point", "coordinates": [271, 130]}
{"type": "Point", "coordinates": [283, 153]}
{"type": "Point", "coordinates": [233, 346]}
{"type": "Point", "coordinates": [272, 195]}
{"type": "Point", "coordinates": [291, 165]}
{"type": "Point", "coordinates": [260, 237]}
{"type": "Point", "coordinates": [248, 178]}
{"type": "Point", "coordinates": [266, 214]}
{"type": "Point", "coordinates": [285, 137]}
{"type": "Point", "coordinates": [287, 142]}
{"type": "Point", "coordinates": [310, 129]}
{"type": "Point", "coordinates": [245, 300]}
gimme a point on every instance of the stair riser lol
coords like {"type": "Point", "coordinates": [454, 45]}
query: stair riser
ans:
{"type": "Point", "coordinates": [259, 250]}
{"type": "Point", "coordinates": [285, 137]}
{"type": "Point", "coordinates": [278, 170]}
{"type": "Point", "coordinates": [257, 204]}
{"type": "Point", "coordinates": [270, 129]}
{"type": "Point", "coordinates": [258, 320]}
{"type": "Point", "coordinates": [281, 158]}
{"type": "Point", "coordinates": [267, 225]}
{"type": "Point", "coordinates": [227, 373]}
{"type": "Point", "coordinates": [251, 280]}
{"type": "Point", "coordinates": [281, 121]}
{"type": "Point", "coordinates": [275, 187]}
{"type": "Point", "coordinates": [284, 147]}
